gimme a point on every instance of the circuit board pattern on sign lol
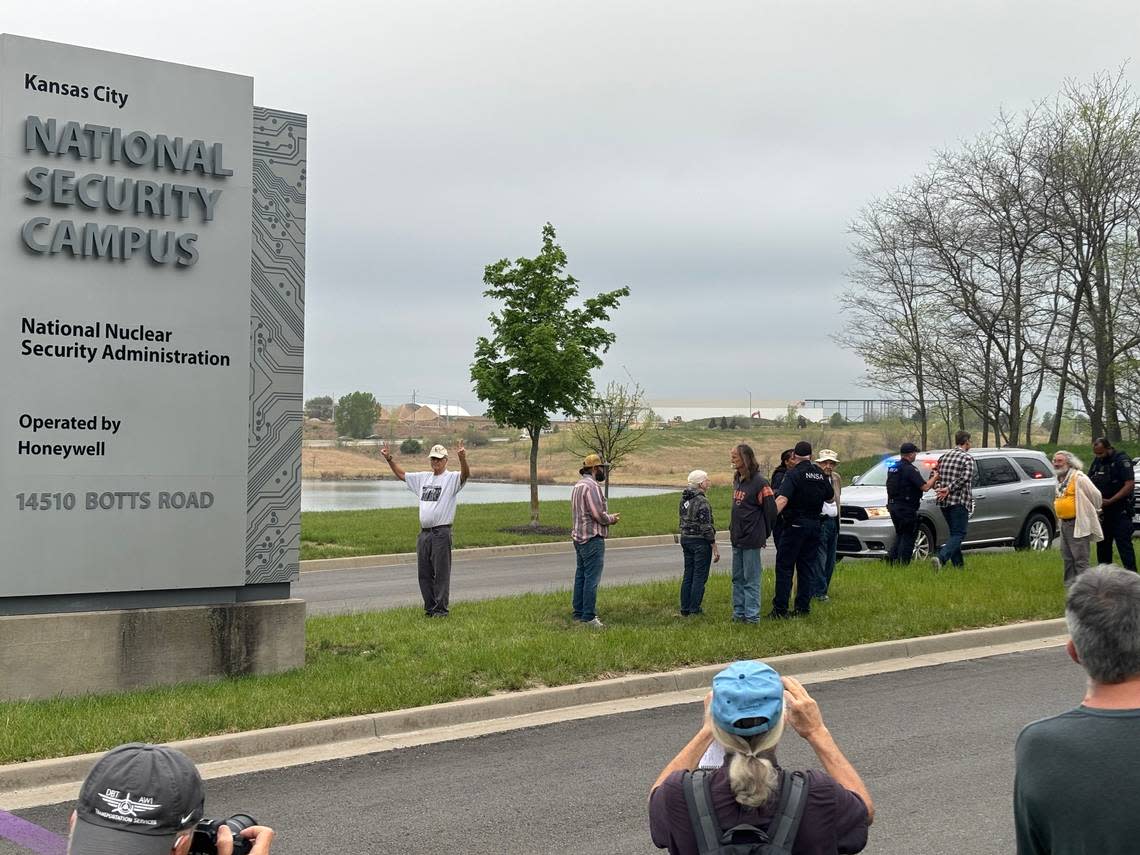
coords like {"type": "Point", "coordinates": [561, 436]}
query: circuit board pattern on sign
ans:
{"type": "Point", "coordinates": [276, 344]}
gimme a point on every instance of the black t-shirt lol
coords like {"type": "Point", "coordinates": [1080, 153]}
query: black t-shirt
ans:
{"type": "Point", "coordinates": [1110, 475]}
{"type": "Point", "coordinates": [904, 486]}
{"type": "Point", "coordinates": [806, 487]}
{"type": "Point", "coordinates": [753, 512]}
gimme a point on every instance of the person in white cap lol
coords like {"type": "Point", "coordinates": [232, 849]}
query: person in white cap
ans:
{"type": "Point", "coordinates": [828, 460]}
{"type": "Point", "coordinates": [438, 491]}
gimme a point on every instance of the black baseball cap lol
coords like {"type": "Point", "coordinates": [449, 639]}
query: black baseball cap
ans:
{"type": "Point", "coordinates": [908, 448]}
{"type": "Point", "coordinates": [137, 799]}
{"type": "Point", "coordinates": [803, 448]}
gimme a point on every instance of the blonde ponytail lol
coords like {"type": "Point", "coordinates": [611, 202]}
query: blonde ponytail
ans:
{"type": "Point", "coordinates": [751, 773]}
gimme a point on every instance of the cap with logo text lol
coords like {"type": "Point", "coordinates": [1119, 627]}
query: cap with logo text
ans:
{"type": "Point", "coordinates": [438, 451]}
{"type": "Point", "coordinates": [137, 799]}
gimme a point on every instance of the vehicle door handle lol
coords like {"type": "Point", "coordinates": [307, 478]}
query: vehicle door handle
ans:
{"type": "Point", "coordinates": [1024, 492]}
{"type": "Point", "coordinates": [979, 498]}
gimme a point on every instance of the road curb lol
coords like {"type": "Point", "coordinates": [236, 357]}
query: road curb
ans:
{"type": "Point", "coordinates": [551, 547]}
{"type": "Point", "coordinates": [64, 770]}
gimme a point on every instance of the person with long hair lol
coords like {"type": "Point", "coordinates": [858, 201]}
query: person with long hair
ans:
{"type": "Point", "coordinates": [753, 514]}
{"type": "Point", "coordinates": [1077, 507]}
{"type": "Point", "coordinates": [746, 714]}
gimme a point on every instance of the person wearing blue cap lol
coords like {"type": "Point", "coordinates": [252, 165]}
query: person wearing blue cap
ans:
{"type": "Point", "coordinates": [808, 813]}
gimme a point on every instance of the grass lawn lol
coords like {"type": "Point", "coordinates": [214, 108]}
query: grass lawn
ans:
{"type": "Point", "coordinates": [396, 659]}
{"type": "Point", "coordinates": [339, 534]}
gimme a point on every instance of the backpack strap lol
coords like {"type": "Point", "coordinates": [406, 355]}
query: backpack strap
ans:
{"type": "Point", "coordinates": [786, 821]}
{"type": "Point", "coordinates": [698, 797]}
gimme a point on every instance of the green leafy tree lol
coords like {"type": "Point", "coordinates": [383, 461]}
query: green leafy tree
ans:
{"type": "Point", "coordinates": [712, 424]}
{"type": "Point", "coordinates": [837, 420]}
{"type": "Point", "coordinates": [355, 415]}
{"type": "Point", "coordinates": [319, 408]}
{"type": "Point", "coordinates": [723, 423]}
{"type": "Point", "coordinates": [411, 446]}
{"type": "Point", "coordinates": [539, 356]}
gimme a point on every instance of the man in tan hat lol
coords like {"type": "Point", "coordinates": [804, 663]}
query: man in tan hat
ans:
{"type": "Point", "coordinates": [591, 528]}
{"type": "Point", "coordinates": [828, 460]}
{"type": "Point", "coordinates": [438, 492]}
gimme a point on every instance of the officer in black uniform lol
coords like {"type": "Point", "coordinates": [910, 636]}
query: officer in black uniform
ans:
{"type": "Point", "coordinates": [801, 496]}
{"type": "Point", "coordinates": [905, 486]}
{"type": "Point", "coordinates": [1113, 475]}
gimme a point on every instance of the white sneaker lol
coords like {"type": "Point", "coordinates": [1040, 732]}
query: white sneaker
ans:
{"type": "Point", "coordinates": [594, 624]}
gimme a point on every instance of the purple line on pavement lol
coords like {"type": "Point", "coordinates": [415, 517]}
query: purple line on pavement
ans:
{"type": "Point", "coordinates": [30, 836]}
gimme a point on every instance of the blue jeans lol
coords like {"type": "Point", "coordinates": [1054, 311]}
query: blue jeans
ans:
{"type": "Point", "coordinates": [746, 585]}
{"type": "Point", "coordinates": [591, 556]}
{"type": "Point", "coordinates": [698, 559]}
{"type": "Point", "coordinates": [957, 518]}
{"type": "Point", "coordinates": [798, 556]}
{"type": "Point", "coordinates": [825, 563]}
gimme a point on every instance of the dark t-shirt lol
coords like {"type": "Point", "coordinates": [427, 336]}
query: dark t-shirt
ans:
{"type": "Point", "coordinates": [904, 486]}
{"type": "Point", "coordinates": [753, 512]}
{"type": "Point", "coordinates": [1109, 476]}
{"type": "Point", "coordinates": [806, 488]}
{"type": "Point", "coordinates": [834, 820]}
{"type": "Point", "coordinates": [1074, 792]}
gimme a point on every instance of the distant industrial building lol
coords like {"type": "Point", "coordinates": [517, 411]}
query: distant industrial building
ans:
{"type": "Point", "coordinates": [696, 410]}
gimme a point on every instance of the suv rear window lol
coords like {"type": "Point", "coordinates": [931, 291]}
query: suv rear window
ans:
{"type": "Point", "coordinates": [995, 470]}
{"type": "Point", "coordinates": [1033, 467]}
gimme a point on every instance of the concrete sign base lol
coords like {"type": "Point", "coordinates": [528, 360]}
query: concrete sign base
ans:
{"type": "Point", "coordinates": [53, 655]}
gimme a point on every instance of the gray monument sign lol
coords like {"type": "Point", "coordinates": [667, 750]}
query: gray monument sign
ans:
{"type": "Point", "coordinates": [151, 344]}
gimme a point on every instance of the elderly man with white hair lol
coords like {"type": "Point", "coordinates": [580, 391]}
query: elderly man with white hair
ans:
{"type": "Point", "coordinates": [698, 541]}
{"type": "Point", "coordinates": [1077, 505]}
{"type": "Point", "coordinates": [1077, 773]}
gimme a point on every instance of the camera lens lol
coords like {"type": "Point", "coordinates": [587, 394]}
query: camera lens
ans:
{"type": "Point", "coordinates": [237, 824]}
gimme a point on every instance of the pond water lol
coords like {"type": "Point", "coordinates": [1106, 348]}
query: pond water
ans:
{"type": "Point", "coordinates": [368, 495]}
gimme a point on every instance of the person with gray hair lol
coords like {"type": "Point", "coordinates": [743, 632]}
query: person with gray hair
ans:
{"type": "Point", "coordinates": [749, 795]}
{"type": "Point", "coordinates": [1077, 773]}
{"type": "Point", "coordinates": [698, 542]}
{"type": "Point", "coordinates": [1076, 505]}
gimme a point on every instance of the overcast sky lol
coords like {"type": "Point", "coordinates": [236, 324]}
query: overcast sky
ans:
{"type": "Point", "coordinates": [707, 155]}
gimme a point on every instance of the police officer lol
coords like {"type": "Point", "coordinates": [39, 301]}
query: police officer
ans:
{"type": "Point", "coordinates": [1113, 475]}
{"type": "Point", "coordinates": [802, 493]}
{"type": "Point", "coordinates": [905, 486]}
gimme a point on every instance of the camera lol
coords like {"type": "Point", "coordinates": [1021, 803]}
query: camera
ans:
{"type": "Point", "coordinates": [205, 840]}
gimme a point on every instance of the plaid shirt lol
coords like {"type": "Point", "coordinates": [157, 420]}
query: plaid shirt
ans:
{"type": "Point", "coordinates": [588, 504]}
{"type": "Point", "coordinates": [956, 470]}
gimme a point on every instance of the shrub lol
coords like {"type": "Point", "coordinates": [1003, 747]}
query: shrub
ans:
{"type": "Point", "coordinates": [411, 446]}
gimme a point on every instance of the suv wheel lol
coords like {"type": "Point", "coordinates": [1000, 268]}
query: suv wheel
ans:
{"type": "Point", "coordinates": [1037, 534]}
{"type": "Point", "coordinates": [923, 542]}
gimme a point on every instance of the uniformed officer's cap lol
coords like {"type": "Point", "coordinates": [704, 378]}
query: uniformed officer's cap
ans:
{"type": "Point", "coordinates": [803, 448]}
{"type": "Point", "coordinates": [908, 448]}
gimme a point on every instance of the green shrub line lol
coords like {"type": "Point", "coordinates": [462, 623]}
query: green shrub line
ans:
{"type": "Point", "coordinates": [374, 662]}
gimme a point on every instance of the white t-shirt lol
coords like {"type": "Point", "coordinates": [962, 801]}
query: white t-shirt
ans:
{"type": "Point", "coordinates": [437, 496]}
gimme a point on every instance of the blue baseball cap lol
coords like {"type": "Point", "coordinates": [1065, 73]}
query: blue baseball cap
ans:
{"type": "Point", "coordinates": [748, 698]}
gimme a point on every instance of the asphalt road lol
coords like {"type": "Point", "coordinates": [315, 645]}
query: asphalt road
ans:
{"type": "Point", "coordinates": [374, 588]}
{"type": "Point", "coordinates": [935, 746]}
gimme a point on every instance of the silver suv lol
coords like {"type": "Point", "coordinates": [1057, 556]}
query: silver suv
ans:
{"type": "Point", "coordinates": [1013, 491]}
